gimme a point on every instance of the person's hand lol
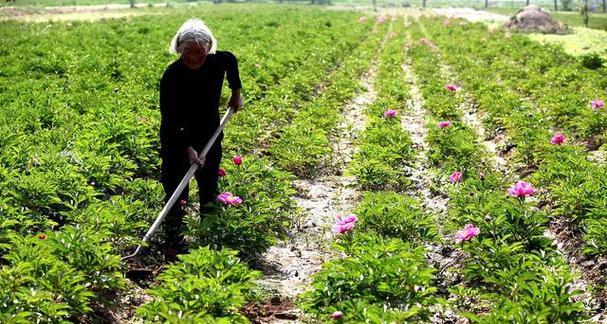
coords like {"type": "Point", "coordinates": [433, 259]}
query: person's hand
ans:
{"type": "Point", "coordinates": [193, 155]}
{"type": "Point", "coordinates": [235, 101]}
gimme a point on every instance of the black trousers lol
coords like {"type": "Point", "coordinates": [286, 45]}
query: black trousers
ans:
{"type": "Point", "coordinates": [174, 167]}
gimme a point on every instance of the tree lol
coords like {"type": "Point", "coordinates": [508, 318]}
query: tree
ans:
{"type": "Point", "coordinates": [584, 12]}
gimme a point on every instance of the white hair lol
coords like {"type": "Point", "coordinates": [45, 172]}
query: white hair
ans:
{"type": "Point", "coordinates": [193, 30]}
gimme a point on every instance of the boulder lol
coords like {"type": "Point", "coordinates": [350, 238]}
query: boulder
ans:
{"type": "Point", "coordinates": [533, 19]}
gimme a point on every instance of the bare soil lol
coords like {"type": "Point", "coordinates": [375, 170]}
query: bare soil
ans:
{"type": "Point", "coordinates": [443, 258]}
{"type": "Point", "coordinates": [289, 265]}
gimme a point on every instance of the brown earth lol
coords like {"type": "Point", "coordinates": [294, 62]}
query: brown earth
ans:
{"type": "Point", "coordinates": [533, 19]}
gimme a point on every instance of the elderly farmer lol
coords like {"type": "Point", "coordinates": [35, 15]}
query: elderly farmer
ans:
{"type": "Point", "coordinates": [190, 90]}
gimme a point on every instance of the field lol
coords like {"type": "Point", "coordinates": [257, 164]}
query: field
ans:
{"type": "Point", "coordinates": [396, 167]}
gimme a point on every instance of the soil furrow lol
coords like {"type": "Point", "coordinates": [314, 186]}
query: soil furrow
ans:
{"type": "Point", "coordinates": [290, 264]}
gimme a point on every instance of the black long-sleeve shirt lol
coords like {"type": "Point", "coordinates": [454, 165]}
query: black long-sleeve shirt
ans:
{"type": "Point", "coordinates": [189, 101]}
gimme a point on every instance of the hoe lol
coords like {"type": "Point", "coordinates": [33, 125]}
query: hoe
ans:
{"type": "Point", "coordinates": [184, 182]}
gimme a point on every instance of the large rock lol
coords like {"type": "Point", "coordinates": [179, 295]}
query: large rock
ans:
{"type": "Point", "coordinates": [533, 19]}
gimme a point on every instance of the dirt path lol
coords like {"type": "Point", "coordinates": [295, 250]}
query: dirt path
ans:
{"type": "Point", "coordinates": [441, 257]}
{"type": "Point", "coordinates": [290, 264]}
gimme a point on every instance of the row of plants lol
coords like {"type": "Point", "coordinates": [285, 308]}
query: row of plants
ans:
{"type": "Point", "coordinates": [510, 271]}
{"type": "Point", "coordinates": [380, 274]}
{"type": "Point", "coordinates": [265, 136]}
{"type": "Point", "coordinates": [305, 147]}
{"type": "Point", "coordinates": [245, 224]}
{"type": "Point", "coordinates": [574, 185]}
{"type": "Point", "coordinates": [80, 163]}
{"type": "Point", "coordinates": [385, 148]}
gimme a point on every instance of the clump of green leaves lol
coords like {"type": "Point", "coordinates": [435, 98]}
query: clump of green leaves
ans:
{"type": "Point", "coordinates": [389, 277]}
{"type": "Point", "coordinates": [259, 221]}
{"type": "Point", "coordinates": [393, 215]}
{"type": "Point", "coordinates": [206, 285]}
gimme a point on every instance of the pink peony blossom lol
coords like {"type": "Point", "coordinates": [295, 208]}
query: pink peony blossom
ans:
{"type": "Point", "coordinates": [467, 233]}
{"type": "Point", "coordinates": [597, 104]}
{"type": "Point", "coordinates": [228, 198]}
{"type": "Point", "coordinates": [345, 224]}
{"type": "Point", "coordinates": [183, 202]}
{"type": "Point", "coordinates": [390, 113]}
{"type": "Point", "coordinates": [558, 139]}
{"type": "Point", "coordinates": [237, 160]}
{"type": "Point", "coordinates": [381, 19]}
{"type": "Point", "coordinates": [452, 87]}
{"type": "Point", "coordinates": [444, 124]}
{"type": "Point", "coordinates": [456, 177]}
{"type": "Point", "coordinates": [221, 172]}
{"type": "Point", "coordinates": [337, 315]}
{"type": "Point", "coordinates": [521, 189]}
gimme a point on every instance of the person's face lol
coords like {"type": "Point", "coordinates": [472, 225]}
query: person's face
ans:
{"type": "Point", "coordinates": [193, 54]}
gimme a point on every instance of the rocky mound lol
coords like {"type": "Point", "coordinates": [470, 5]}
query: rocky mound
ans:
{"type": "Point", "coordinates": [533, 19]}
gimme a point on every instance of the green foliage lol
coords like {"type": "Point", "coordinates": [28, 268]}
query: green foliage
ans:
{"type": "Point", "coordinates": [485, 203]}
{"type": "Point", "coordinates": [389, 275]}
{"type": "Point", "coordinates": [207, 285]}
{"type": "Point", "coordinates": [592, 61]}
{"type": "Point", "coordinates": [52, 278]}
{"type": "Point", "coordinates": [454, 148]}
{"type": "Point", "coordinates": [385, 150]}
{"type": "Point", "coordinates": [395, 216]}
{"type": "Point", "coordinates": [260, 220]}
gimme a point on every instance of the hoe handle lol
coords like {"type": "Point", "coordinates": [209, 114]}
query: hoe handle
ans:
{"type": "Point", "coordinates": [184, 182]}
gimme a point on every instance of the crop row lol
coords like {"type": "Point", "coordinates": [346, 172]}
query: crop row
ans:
{"type": "Point", "coordinates": [311, 127]}
{"type": "Point", "coordinates": [562, 94]}
{"type": "Point", "coordinates": [510, 272]}
{"type": "Point", "coordinates": [81, 158]}
{"type": "Point", "coordinates": [381, 273]}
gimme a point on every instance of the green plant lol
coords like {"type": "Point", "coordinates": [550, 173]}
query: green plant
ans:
{"type": "Point", "coordinates": [395, 216]}
{"type": "Point", "coordinates": [207, 285]}
{"type": "Point", "coordinates": [259, 221]}
{"type": "Point", "coordinates": [386, 274]}
{"type": "Point", "coordinates": [591, 61]}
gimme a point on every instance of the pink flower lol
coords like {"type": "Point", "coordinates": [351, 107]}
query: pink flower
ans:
{"type": "Point", "coordinates": [337, 315]}
{"type": "Point", "coordinates": [345, 224]}
{"type": "Point", "coordinates": [229, 199]}
{"type": "Point", "coordinates": [558, 139]}
{"type": "Point", "coordinates": [456, 177]}
{"type": "Point", "coordinates": [381, 19]}
{"type": "Point", "coordinates": [183, 202]}
{"type": "Point", "coordinates": [221, 172]}
{"type": "Point", "coordinates": [521, 189]}
{"type": "Point", "coordinates": [597, 104]}
{"type": "Point", "coordinates": [444, 124]}
{"type": "Point", "coordinates": [452, 87]}
{"type": "Point", "coordinates": [237, 160]}
{"type": "Point", "coordinates": [467, 233]}
{"type": "Point", "coordinates": [390, 113]}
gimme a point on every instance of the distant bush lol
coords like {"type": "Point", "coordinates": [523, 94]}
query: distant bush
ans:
{"type": "Point", "coordinates": [591, 61]}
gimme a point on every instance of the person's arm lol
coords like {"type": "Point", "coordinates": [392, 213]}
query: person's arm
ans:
{"type": "Point", "coordinates": [234, 82]}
